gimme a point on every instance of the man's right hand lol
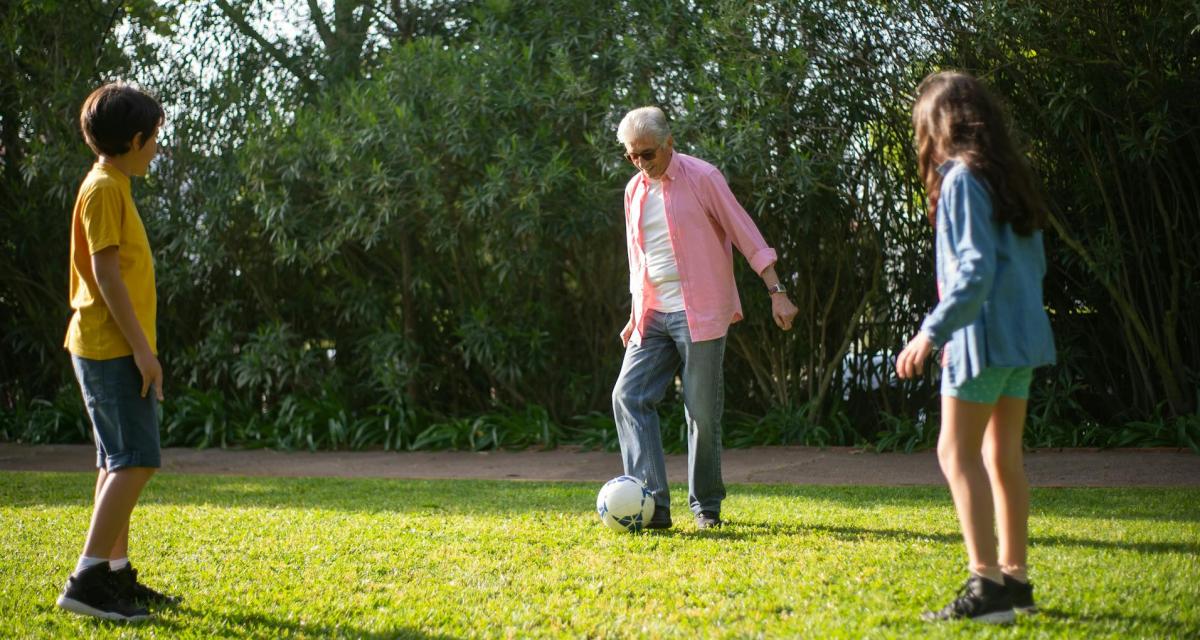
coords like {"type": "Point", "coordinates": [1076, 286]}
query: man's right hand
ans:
{"type": "Point", "coordinates": [627, 333]}
{"type": "Point", "coordinates": [152, 373]}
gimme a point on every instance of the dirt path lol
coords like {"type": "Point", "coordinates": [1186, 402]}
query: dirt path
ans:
{"type": "Point", "coordinates": [770, 465]}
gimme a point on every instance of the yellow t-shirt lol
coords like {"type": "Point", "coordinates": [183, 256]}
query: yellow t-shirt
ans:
{"type": "Point", "coordinates": [105, 216]}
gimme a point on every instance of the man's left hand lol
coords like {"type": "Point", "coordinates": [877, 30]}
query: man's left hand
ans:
{"type": "Point", "coordinates": [783, 310]}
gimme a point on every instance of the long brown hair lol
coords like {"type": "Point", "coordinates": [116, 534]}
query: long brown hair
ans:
{"type": "Point", "coordinates": [955, 116]}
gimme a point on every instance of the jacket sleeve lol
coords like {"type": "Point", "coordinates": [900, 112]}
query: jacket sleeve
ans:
{"type": "Point", "coordinates": [968, 234]}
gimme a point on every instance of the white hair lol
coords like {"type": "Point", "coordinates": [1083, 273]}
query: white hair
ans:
{"type": "Point", "coordinates": [642, 122]}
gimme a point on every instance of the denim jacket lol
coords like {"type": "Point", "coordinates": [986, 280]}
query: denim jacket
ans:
{"type": "Point", "coordinates": [991, 312]}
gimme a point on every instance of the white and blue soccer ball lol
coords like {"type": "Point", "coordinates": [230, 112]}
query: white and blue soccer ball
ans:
{"type": "Point", "coordinates": [624, 504]}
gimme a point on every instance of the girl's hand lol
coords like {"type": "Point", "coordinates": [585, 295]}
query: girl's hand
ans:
{"type": "Point", "coordinates": [911, 361]}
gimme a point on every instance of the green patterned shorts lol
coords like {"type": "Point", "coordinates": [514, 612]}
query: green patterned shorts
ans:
{"type": "Point", "coordinates": [993, 382]}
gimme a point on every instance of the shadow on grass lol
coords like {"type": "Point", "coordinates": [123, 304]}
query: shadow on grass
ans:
{"type": "Point", "coordinates": [747, 530]}
{"type": "Point", "coordinates": [1163, 627]}
{"type": "Point", "coordinates": [175, 621]}
{"type": "Point", "coordinates": [514, 497]}
{"type": "Point", "coordinates": [1075, 625]}
{"type": "Point", "coordinates": [258, 625]}
{"type": "Point", "coordinates": [373, 495]}
{"type": "Point", "coordinates": [167, 624]}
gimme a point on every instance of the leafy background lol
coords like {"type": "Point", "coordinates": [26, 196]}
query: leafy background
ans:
{"type": "Point", "coordinates": [399, 223]}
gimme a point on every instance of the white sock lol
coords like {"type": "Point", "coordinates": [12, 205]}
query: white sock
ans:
{"type": "Point", "coordinates": [116, 564]}
{"type": "Point", "coordinates": [87, 562]}
{"type": "Point", "coordinates": [1016, 572]}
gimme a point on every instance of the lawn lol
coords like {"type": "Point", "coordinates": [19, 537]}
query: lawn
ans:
{"type": "Point", "coordinates": [277, 558]}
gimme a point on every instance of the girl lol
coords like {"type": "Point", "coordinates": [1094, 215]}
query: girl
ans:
{"type": "Point", "coordinates": [987, 215]}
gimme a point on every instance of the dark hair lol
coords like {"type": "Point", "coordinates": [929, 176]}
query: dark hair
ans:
{"type": "Point", "coordinates": [956, 116]}
{"type": "Point", "coordinates": [112, 114]}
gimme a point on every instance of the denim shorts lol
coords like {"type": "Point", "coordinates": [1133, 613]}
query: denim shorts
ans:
{"type": "Point", "coordinates": [124, 424]}
{"type": "Point", "coordinates": [990, 384]}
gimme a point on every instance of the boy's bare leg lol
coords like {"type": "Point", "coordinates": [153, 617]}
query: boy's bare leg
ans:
{"type": "Point", "coordinates": [101, 477]}
{"type": "Point", "coordinates": [114, 504]}
{"type": "Point", "coordinates": [121, 547]}
{"type": "Point", "coordinates": [960, 455]}
{"type": "Point", "coordinates": [1004, 458]}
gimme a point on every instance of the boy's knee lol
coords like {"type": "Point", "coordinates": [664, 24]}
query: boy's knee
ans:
{"type": "Point", "coordinates": [134, 472]}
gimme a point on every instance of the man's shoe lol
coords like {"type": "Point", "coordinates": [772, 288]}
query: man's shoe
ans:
{"type": "Point", "coordinates": [980, 600]}
{"type": "Point", "coordinates": [126, 583]}
{"type": "Point", "coordinates": [92, 592]}
{"type": "Point", "coordinates": [708, 520]}
{"type": "Point", "coordinates": [661, 518]}
{"type": "Point", "coordinates": [1021, 594]}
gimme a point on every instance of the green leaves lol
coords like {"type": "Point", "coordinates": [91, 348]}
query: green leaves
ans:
{"type": "Point", "coordinates": [395, 216]}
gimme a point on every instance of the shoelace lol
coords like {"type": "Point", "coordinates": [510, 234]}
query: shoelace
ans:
{"type": "Point", "coordinates": [965, 602]}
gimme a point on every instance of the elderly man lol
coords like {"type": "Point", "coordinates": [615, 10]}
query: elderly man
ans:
{"type": "Point", "coordinates": [681, 224]}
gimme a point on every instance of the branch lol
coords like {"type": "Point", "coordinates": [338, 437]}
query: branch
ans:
{"type": "Point", "coordinates": [284, 60]}
{"type": "Point", "coordinates": [318, 19]}
{"type": "Point", "coordinates": [112, 20]}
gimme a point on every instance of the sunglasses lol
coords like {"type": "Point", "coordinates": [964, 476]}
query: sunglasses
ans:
{"type": "Point", "coordinates": [646, 156]}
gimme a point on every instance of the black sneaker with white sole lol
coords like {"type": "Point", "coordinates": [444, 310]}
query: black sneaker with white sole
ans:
{"type": "Point", "coordinates": [93, 592]}
{"type": "Point", "coordinates": [1021, 594]}
{"type": "Point", "coordinates": [980, 600]}
{"type": "Point", "coordinates": [127, 584]}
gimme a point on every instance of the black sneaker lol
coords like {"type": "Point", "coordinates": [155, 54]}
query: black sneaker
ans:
{"type": "Point", "coordinates": [126, 582]}
{"type": "Point", "coordinates": [661, 518]}
{"type": "Point", "coordinates": [1021, 594]}
{"type": "Point", "coordinates": [980, 600]}
{"type": "Point", "coordinates": [708, 520]}
{"type": "Point", "coordinates": [92, 592]}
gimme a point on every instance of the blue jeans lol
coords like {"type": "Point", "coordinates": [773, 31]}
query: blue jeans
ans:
{"type": "Point", "coordinates": [124, 424]}
{"type": "Point", "coordinates": [647, 370]}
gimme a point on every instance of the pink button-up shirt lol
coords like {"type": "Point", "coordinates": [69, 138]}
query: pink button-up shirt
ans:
{"type": "Point", "coordinates": [705, 223]}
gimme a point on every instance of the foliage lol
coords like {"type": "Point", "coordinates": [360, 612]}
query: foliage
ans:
{"type": "Point", "coordinates": [398, 224]}
{"type": "Point", "coordinates": [54, 53]}
{"type": "Point", "coordinates": [338, 558]}
{"type": "Point", "coordinates": [1108, 101]}
{"type": "Point", "coordinates": [56, 421]}
{"type": "Point", "coordinates": [906, 433]}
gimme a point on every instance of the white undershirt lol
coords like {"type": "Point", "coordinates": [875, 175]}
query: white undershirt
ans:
{"type": "Point", "coordinates": [660, 256]}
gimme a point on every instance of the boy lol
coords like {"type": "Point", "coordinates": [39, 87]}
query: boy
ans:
{"type": "Point", "coordinates": [111, 338]}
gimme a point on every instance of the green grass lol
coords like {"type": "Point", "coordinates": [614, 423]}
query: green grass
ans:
{"type": "Point", "coordinates": [277, 558]}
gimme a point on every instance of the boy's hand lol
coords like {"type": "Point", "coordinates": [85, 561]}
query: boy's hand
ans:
{"type": "Point", "coordinates": [152, 373]}
{"type": "Point", "coordinates": [783, 310]}
{"type": "Point", "coordinates": [911, 361]}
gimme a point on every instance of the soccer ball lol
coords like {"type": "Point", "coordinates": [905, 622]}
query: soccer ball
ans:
{"type": "Point", "coordinates": [624, 504]}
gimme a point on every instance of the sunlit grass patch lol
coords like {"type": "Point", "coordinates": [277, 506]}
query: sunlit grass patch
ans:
{"type": "Point", "coordinates": [288, 557]}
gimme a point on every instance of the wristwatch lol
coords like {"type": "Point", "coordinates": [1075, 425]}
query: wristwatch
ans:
{"type": "Point", "coordinates": [777, 288]}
